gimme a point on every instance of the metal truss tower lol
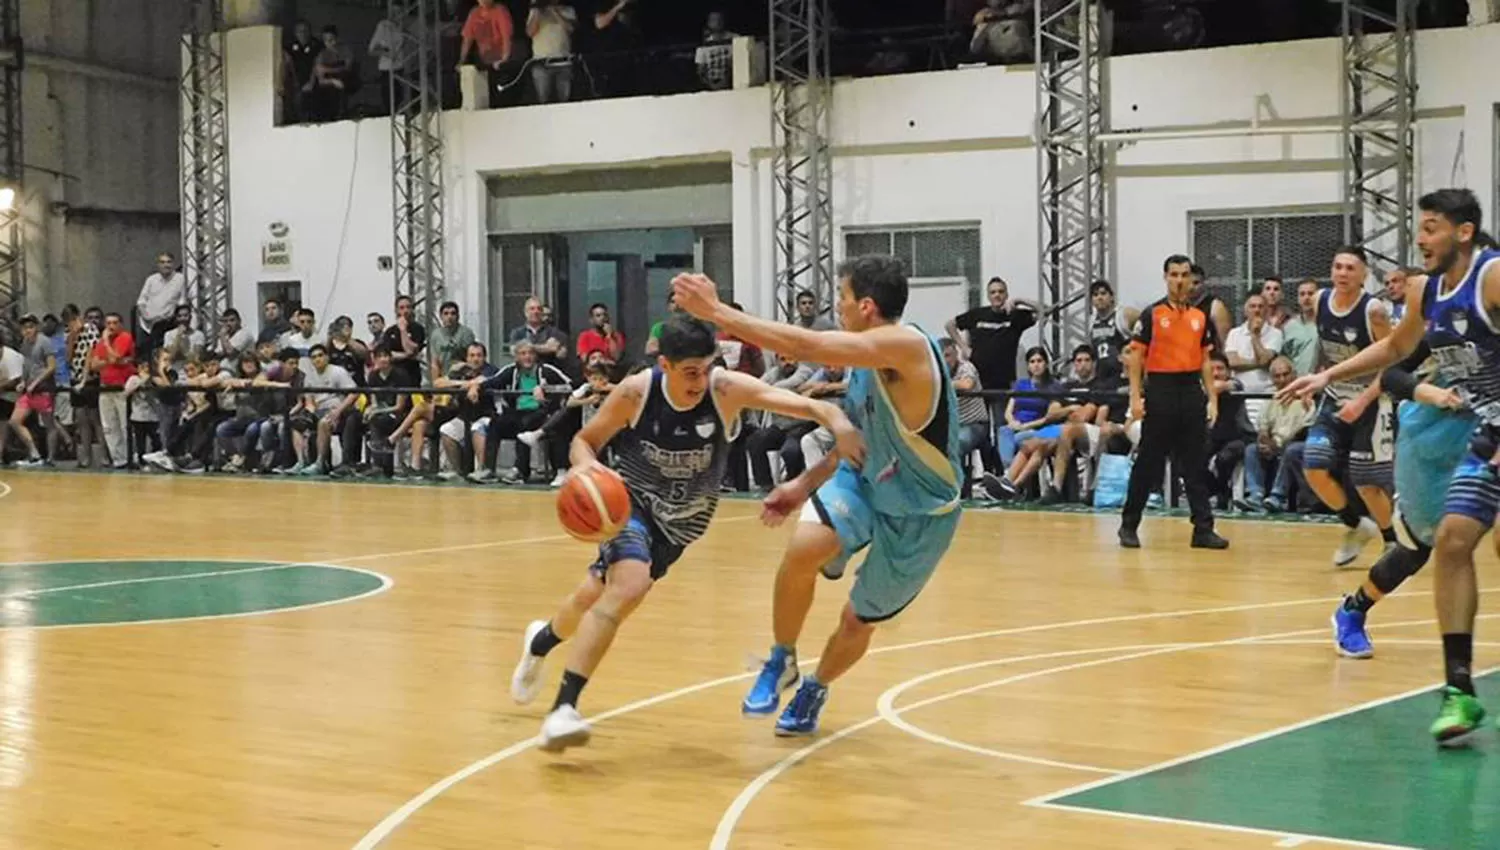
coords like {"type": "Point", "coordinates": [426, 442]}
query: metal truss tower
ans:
{"type": "Point", "coordinates": [203, 151]}
{"type": "Point", "coordinates": [12, 222]}
{"type": "Point", "coordinates": [1379, 131]}
{"type": "Point", "coordinates": [801, 164]}
{"type": "Point", "coordinates": [417, 157]}
{"type": "Point", "coordinates": [1073, 228]}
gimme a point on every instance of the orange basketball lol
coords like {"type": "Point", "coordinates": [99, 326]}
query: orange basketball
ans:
{"type": "Point", "coordinates": [593, 505]}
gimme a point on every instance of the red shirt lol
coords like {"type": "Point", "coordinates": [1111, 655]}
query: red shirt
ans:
{"type": "Point", "coordinates": [116, 374]}
{"type": "Point", "coordinates": [591, 341]}
{"type": "Point", "coordinates": [491, 29]}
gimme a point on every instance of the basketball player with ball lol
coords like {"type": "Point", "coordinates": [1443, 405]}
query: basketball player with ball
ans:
{"type": "Point", "coordinates": [670, 428]}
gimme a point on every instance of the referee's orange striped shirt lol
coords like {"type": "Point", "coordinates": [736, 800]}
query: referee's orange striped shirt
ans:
{"type": "Point", "coordinates": [1175, 339]}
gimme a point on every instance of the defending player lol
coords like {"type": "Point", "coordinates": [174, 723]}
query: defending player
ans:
{"type": "Point", "coordinates": [1434, 435]}
{"type": "Point", "coordinates": [671, 426]}
{"type": "Point", "coordinates": [1455, 310]}
{"type": "Point", "coordinates": [1350, 426]}
{"type": "Point", "coordinates": [902, 505]}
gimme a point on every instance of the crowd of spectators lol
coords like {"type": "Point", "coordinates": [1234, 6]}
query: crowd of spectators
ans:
{"type": "Point", "coordinates": [402, 400]}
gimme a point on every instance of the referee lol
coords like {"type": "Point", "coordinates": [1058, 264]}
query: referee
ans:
{"type": "Point", "coordinates": [1170, 351]}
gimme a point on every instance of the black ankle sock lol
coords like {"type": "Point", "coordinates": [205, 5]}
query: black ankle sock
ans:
{"type": "Point", "coordinates": [572, 686]}
{"type": "Point", "coordinates": [1388, 534]}
{"type": "Point", "coordinates": [1359, 601]}
{"type": "Point", "coordinates": [1349, 515]}
{"type": "Point", "coordinates": [545, 641]}
{"type": "Point", "coordinates": [1458, 658]}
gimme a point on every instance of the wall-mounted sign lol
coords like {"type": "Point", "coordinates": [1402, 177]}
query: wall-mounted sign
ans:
{"type": "Point", "coordinates": [276, 252]}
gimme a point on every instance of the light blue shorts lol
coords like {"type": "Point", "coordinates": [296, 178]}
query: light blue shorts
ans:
{"type": "Point", "coordinates": [903, 550]}
{"type": "Point", "coordinates": [1432, 475]}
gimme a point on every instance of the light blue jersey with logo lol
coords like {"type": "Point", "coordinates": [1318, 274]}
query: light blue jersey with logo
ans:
{"type": "Point", "coordinates": [903, 505]}
{"type": "Point", "coordinates": [908, 473]}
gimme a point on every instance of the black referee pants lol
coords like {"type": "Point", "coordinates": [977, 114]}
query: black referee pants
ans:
{"type": "Point", "coordinates": [1176, 423]}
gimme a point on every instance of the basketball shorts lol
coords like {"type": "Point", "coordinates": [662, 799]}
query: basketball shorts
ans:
{"type": "Point", "coordinates": [903, 551]}
{"type": "Point", "coordinates": [639, 540]}
{"type": "Point", "coordinates": [1367, 438]}
{"type": "Point", "coordinates": [1434, 472]}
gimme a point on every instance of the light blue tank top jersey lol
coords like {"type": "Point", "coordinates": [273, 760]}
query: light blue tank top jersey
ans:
{"type": "Point", "coordinates": [1464, 339]}
{"type": "Point", "coordinates": [908, 473]}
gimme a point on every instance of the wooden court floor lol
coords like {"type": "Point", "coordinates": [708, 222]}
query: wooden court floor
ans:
{"type": "Point", "coordinates": [201, 662]}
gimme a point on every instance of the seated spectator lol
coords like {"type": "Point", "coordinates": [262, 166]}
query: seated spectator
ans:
{"type": "Point", "coordinates": [1228, 433]}
{"type": "Point", "coordinates": [526, 383]}
{"type": "Point", "coordinates": [382, 414]}
{"type": "Point", "coordinates": [973, 411]}
{"type": "Point", "coordinates": [1282, 423]}
{"type": "Point", "coordinates": [239, 437]}
{"type": "Point", "coordinates": [331, 409]}
{"type": "Point", "coordinates": [346, 352]}
{"type": "Point", "coordinates": [1030, 428]}
{"type": "Point", "coordinates": [777, 432]}
{"type": "Point", "coordinates": [585, 400]}
{"type": "Point", "coordinates": [1082, 418]}
{"type": "Point", "coordinates": [470, 407]}
{"type": "Point", "coordinates": [1022, 412]}
{"type": "Point", "coordinates": [233, 342]}
{"type": "Point", "coordinates": [302, 337]}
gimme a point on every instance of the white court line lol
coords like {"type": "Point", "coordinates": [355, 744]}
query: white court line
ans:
{"type": "Point", "coordinates": [26, 594]}
{"type": "Point", "coordinates": [4, 489]}
{"type": "Point", "coordinates": [725, 830]}
{"type": "Point", "coordinates": [393, 821]}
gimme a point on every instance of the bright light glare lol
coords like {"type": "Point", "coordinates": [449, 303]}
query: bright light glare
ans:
{"type": "Point", "coordinates": [7, 199]}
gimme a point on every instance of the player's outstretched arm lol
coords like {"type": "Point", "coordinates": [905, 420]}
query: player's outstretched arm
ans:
{"type": "Point", "coordinates": [740, 391]}
{"type": "Point", "coordinates": [887, 347]}
{"type": "Point", "coordinates": [617, 411]}
{"type": "Point", "coordinates": [1392, 349]}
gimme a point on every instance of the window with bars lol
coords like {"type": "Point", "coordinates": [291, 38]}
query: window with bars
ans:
{"type": "Point", "coordinates": [933, 255]}
{"type": "Point", "coordinates": [1238, 250]}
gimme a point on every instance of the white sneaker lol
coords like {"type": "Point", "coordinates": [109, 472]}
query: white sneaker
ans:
{"type": "Point", "coordinates": [558, 480]}
{"type": "Point", "coordinates": [530, 438]}
{"type": "Point", "coordinates": [1355, 540]}
{"type": "Point", "coordinates": [524, 682]}
{"type": "Point", "coordinates": [564, 728]}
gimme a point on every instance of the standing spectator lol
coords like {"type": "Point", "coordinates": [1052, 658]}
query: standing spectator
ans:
{"type": "Point", "coordinates": [715, 57]}
{"type": "Point", "coordinates": [182, 341]}
{"type": "Point", "coordinates": [113, 359]}
{"type": "Point", "coordinates": [448, 343]}
{"type": "Point", "coordinates": [334, 78]}
{"type": "Point", "coordinates": [273, 325]}
{"type": "Point", "coordinates": [145, 422]}
{"type": "Point", "coordinates": [1250, 348]}
{"type": "Point", "coordinates": [346, 352]}
{"type": "Point", "coordinates": [39, 366]}
{"type": "Point", "coordinates": [1212, 306]}
{"type": "Point", "coordinates": [62, 400]}
{"type": "Point", "coordinates": [304, 50]}
{"type": "Point", "coordinates": [156, 306]}
{"type": "Point", "coordinates": [548, 344]}
{"type": "Point", "coordinates": [973, 413]}
{"type": "Point", "coordinates": [602, 337]}
{"type": "Point", "coordinates": [303, 336]}
{"type": "Point", "coordinates": [1299, 336]}
{"type": "Point", "coordinates": [1276, 311]}
{"type": "Point", "coordinates": [618, 33]}
{"type": "Point", "coordinates": [808, 313]}
{"type": "Point", "coordinates": [1172, 393]}
{"type": "Point", "coordinates": [653, 340]}
{"type": "Point", "coordinates": [991, 337]}
{"type": "Point", "coordinates": [550, 25]}
{"type": "Point", "coordinates": [1109, 329]}
{"type": "Point", "coordinates": [488, 28]}
{"type": "Point", "coordinates": [233, 342]}
{"type": "Point", "coordinates": [405, 340]}
{"type": "Point", "coordinates": [83, 335]}
{"type": "Point", "coordinates": [1002, 34]}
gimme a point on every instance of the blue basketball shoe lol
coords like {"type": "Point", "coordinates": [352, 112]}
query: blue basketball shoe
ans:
{"type": "Point", "coordinates": [778, 674]}
{"type": "Point", "coordinates": [1349, 635]}
{"type": "Point", "coordinates": [801, 715]}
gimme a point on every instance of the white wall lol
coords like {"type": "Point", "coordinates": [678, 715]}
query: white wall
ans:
{"type": "Point", "coordinates": [912, 149]}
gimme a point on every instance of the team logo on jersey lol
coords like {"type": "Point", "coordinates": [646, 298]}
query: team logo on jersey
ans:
{"type": "Point", "coordinates": [1460, 321]}
{"type": "Point", "coordinates": [1350, 334]}
{"type": "Point", "coordinates": [705, 428]}
{"type": "Point", "coordinates": [1197, 325]}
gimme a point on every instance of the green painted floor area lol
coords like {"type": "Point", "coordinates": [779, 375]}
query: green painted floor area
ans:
{"type": "Point", "coordinates": [98, 593]}
{"type": "Point", "coordinates": [1374, 775]}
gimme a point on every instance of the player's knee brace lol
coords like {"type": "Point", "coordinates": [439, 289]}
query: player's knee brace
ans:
{"type": "Point", "coordinates": [1398, 564]}
{"type": "Point", "coordinates": [1372, 473]}
{"type": "Point", "coordinates": [1319, 455]}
